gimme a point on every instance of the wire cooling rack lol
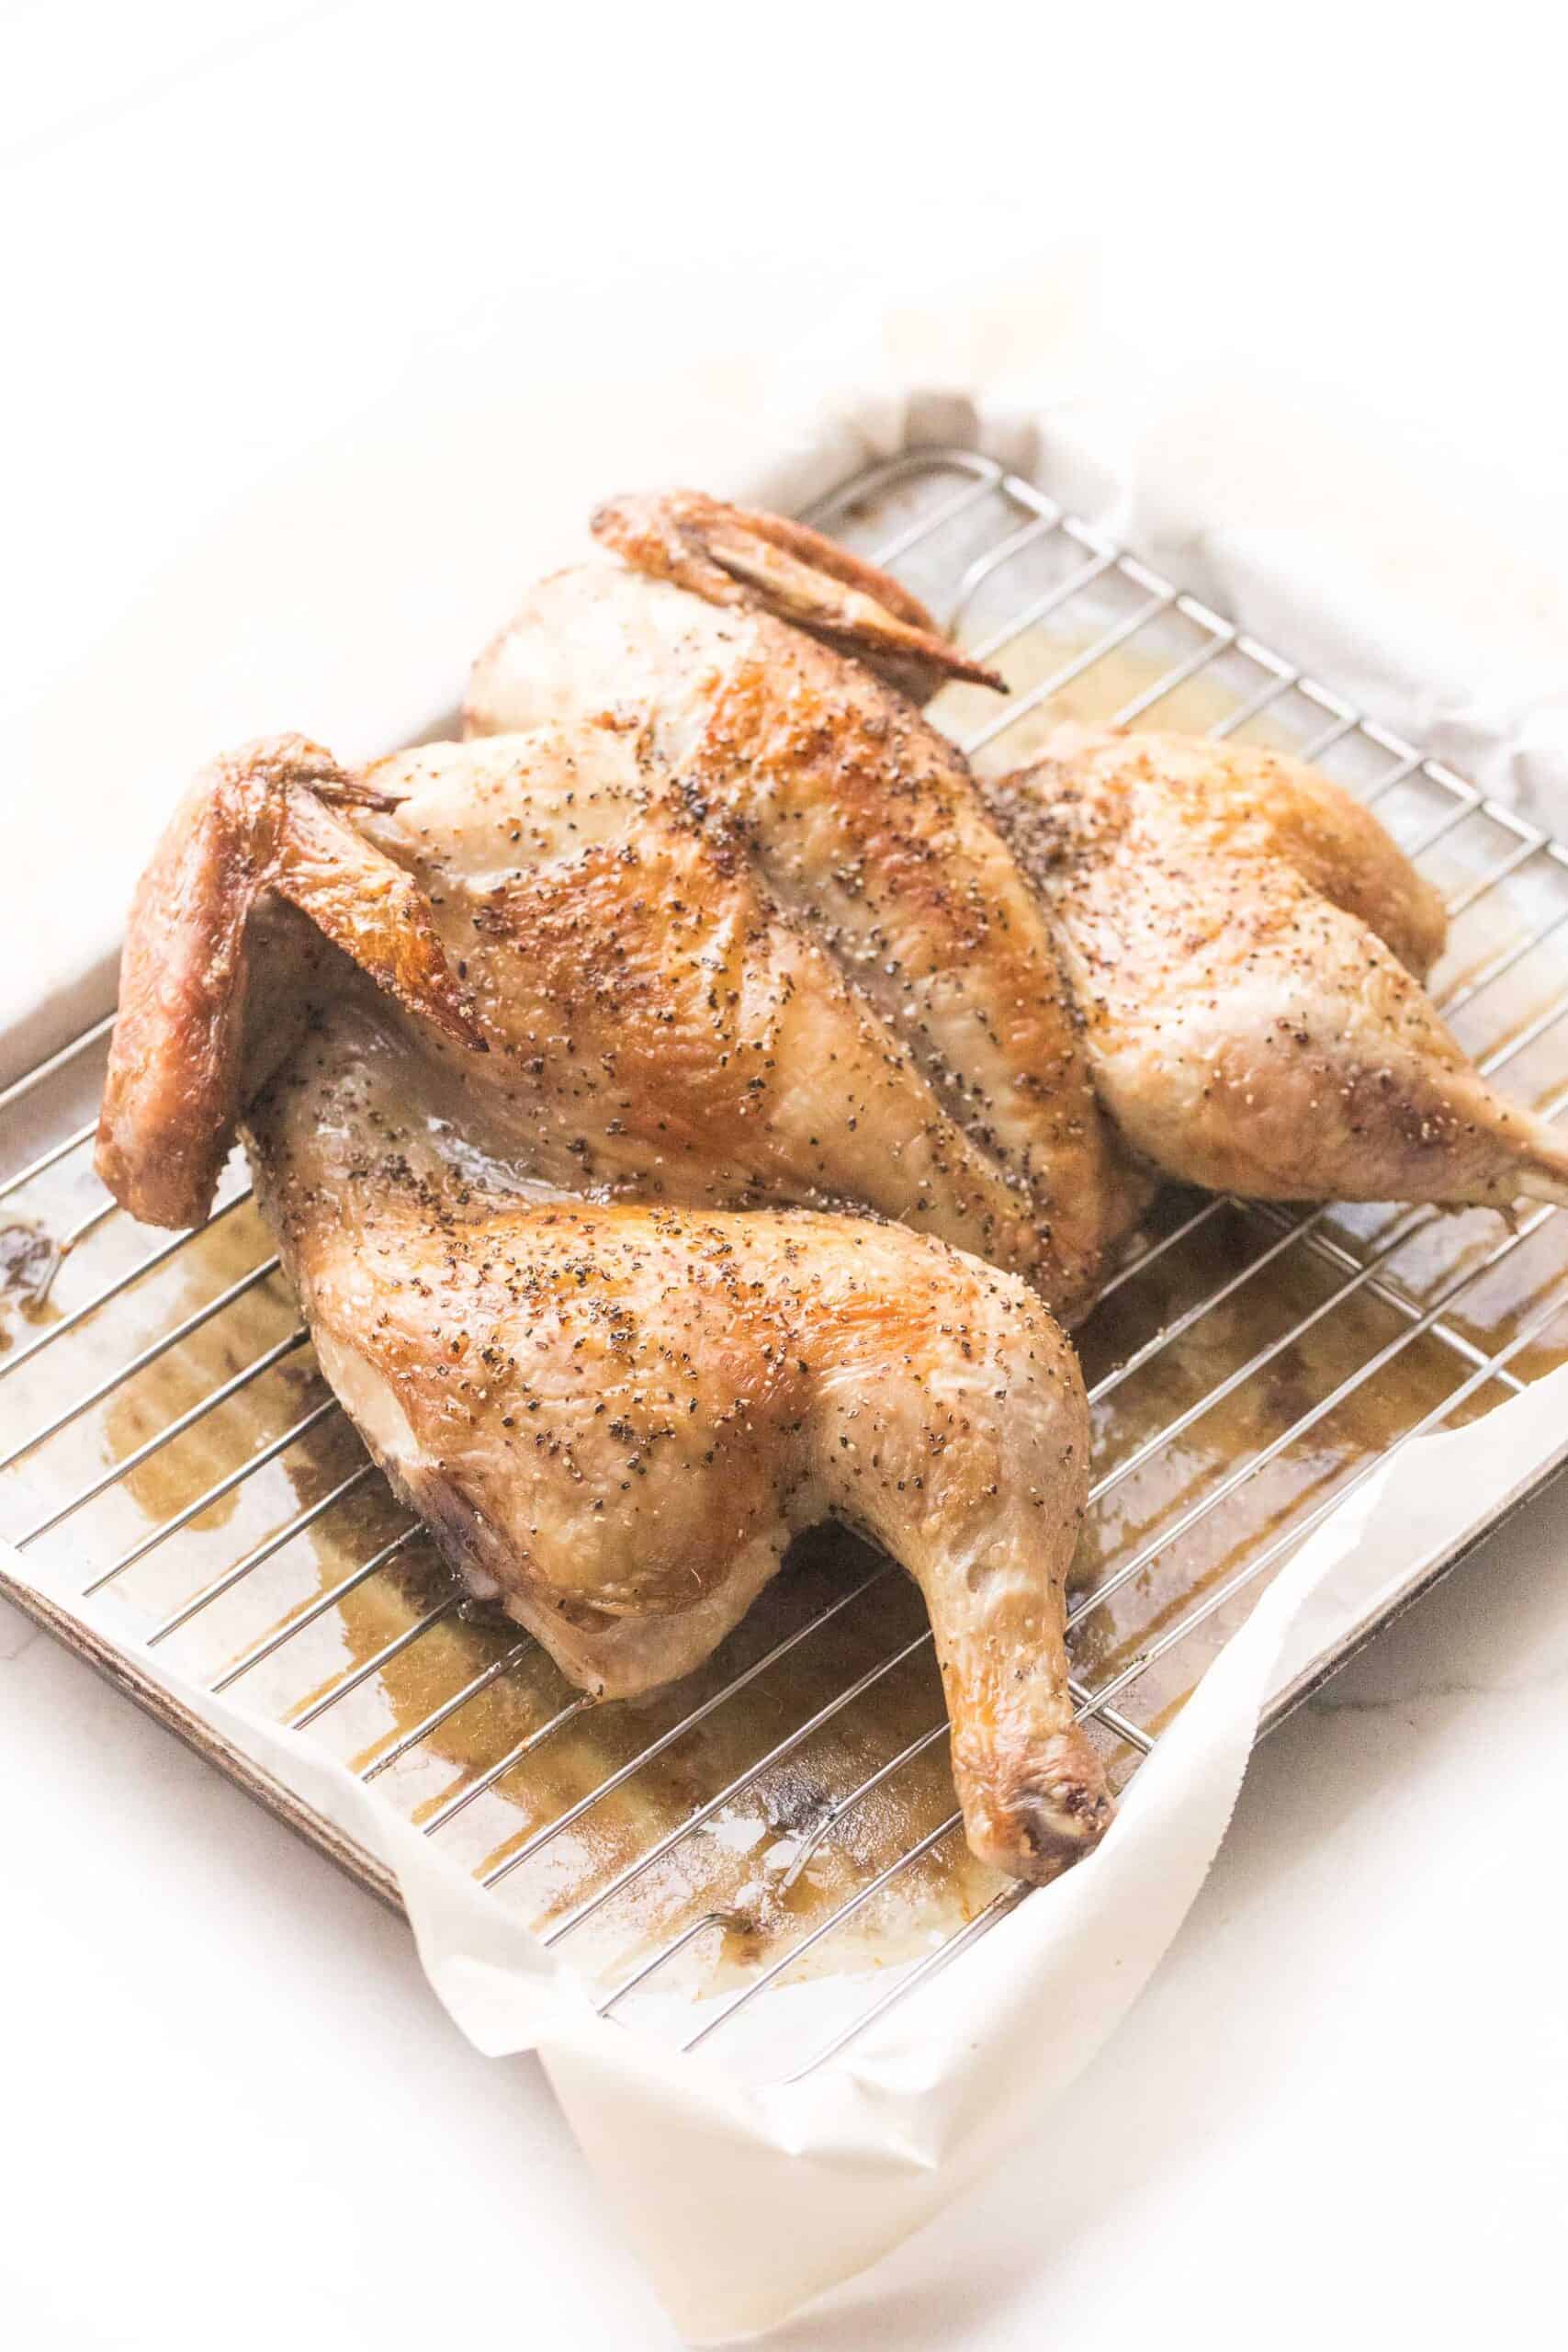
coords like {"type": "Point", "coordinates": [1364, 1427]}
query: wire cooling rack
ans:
{"type": "Point", "coordinates": [788, 1812]}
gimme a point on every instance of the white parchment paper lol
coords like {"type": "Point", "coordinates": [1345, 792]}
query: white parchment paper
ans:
{"type": "Point", "coordinates": [745, 2202]}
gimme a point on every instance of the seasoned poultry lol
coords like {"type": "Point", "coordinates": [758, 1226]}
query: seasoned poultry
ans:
{"type": "Point", "coordinates": [262, 828]}
{"type": "Point", "coordinates": [1245, 946]}
{"type": "Point", "coordinates": [740, 648]}
{"type": "Point", "coordinates": [1242, 944]}
{"type": "Point", "coordinates": [656, 1025]}
{"type": "Point", "coordinates": [561, 1054]}
{"type": "Point", "coordinates": [635, 1016]}
{"type": "Point", "coordinates": [613, 1414]}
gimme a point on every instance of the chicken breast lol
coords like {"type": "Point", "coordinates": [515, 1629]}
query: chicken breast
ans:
{"type": "Point", "coordinates": [862, 822]}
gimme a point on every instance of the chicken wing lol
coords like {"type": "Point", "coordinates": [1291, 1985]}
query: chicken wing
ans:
{"type": "Point", "coordinates": [264, 826]}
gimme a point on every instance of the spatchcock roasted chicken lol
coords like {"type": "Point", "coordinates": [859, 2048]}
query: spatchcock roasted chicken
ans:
{"type": "Point", "coordinates": [681, 1105]}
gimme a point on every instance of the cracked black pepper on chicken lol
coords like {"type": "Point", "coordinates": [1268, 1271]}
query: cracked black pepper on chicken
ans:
{"type": "Point", "coordinates": [681, 1105]}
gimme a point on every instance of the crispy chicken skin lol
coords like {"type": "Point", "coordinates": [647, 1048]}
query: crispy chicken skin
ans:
{"type": "Point", "coordinates": [656, 1025]}
{"type": "Point", "coordinates": [1245, 946]}
{"type": "Point", "coordinates": [265, 822]}
{"type": "Point", "coordinates": [766, 563]}
{"type": "Point", "coordinates": [613, 1414]}
{"type": "Point", "coordinates": [680, 1105]}
{"type": "Point", "coordinates": [618, 1416]}
{"type": "Point", "coordinates": [1243, 802]}
{"type": "Point", "coordinates": [859, 819]}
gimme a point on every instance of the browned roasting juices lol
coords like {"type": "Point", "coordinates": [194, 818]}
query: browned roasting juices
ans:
{"type": "Point", "coordinates": [673, 1105]}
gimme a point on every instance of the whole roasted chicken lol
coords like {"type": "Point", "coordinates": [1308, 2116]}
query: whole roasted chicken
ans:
{"type": "Point", "coordinates": [507, 1037]}
{"type": "Point", "coordinates": [681, 1105]}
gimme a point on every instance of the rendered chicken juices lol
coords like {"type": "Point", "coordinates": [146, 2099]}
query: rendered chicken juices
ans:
{"type": "Point", "coordinates": [613, 1416]}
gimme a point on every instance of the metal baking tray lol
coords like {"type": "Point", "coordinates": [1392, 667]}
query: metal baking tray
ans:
{"type": "Point", "coordinates": [166, 1439]}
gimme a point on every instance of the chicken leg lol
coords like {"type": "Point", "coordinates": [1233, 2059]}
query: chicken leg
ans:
{"type": "Point", "coordinates": [1245, 946]}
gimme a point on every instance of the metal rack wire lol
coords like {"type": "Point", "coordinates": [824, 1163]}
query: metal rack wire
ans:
{"type": "Point", "coordinates": [1223, 1308]}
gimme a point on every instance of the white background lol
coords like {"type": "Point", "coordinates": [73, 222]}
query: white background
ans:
{"type": "Point", "coordinates": [266, 269]}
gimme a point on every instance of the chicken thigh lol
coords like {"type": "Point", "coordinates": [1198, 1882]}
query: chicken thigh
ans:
{"type": "Point", "coordinates": [1245, 946]}
{"type": "Point", "coordinates": [613, 1415]}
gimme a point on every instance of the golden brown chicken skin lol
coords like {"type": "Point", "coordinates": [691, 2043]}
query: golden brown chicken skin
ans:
{"type": "Point", "coordinates": [1245, 944]}
{"type": "Point", "coordinates": [762, 706]}
{"type": "Point", "coordinates": [616, 1417]}
{"type": "Point", "coordinates": [656, 1025]}
{"type": "Point", "coordinates": [613, 1416]}
{"type": "Point", "coordinates": [262, 828]}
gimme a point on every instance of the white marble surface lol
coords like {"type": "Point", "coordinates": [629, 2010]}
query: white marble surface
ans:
{"type": "Point", "coordinates": [230, 2110]}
